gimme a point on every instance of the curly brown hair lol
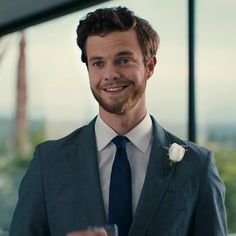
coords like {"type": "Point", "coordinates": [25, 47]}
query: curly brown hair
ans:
{"type": "Point", "coordinates": [106, 20]}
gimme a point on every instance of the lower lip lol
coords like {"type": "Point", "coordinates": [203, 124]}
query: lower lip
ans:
{"type": "Point", "coordinates": [116, 91]}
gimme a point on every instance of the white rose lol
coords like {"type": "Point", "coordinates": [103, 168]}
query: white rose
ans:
{"type": "Point", "coordinates": [176, 152]}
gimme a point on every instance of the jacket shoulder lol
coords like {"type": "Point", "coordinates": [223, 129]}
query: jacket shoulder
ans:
{"type": "Point", "coordinates": [59, 147]}
{"type": "Point", "coordinates": [57, 143]}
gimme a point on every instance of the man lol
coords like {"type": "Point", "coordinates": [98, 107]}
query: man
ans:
{"type": "Point", "coordinates": [71, 183]}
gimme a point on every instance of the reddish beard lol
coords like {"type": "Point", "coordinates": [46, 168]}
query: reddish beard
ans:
{"type": "Point", "coordinates": [119, 105]}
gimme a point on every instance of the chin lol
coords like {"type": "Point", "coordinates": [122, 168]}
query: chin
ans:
{"type": "Point", "coordinates": [118, 109]}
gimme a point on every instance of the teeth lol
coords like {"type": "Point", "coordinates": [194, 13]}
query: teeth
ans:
{"type": "Point", "coordinates": [114, 89]}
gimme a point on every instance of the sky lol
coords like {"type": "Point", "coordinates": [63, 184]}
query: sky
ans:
{"type": "Point", "coordinates": [58, 87]}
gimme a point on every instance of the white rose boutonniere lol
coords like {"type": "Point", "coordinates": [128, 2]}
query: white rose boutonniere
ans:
{"type": "Point", "coordinates": [176, 153]}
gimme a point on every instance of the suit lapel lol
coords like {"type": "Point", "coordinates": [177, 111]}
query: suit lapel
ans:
{"type": "Point", "coordinates": [84, 159]}
{"type": "Point", "coordinates": [88, 187]}
{"type": "Point", "coordinates": [156, 182]}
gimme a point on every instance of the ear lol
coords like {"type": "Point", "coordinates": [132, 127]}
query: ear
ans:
{"type": "Point", "coordinates": [150, 66]}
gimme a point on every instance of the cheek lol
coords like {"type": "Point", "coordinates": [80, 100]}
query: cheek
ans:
{"type": "Point", "coordinates": [93, 79]}
{"type": "Point", "coordinates": [137, 72]}
{"type": "Point", "coordinates": [139, 77]}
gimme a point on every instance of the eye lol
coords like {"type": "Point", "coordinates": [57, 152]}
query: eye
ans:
{"type": "Point", "coordinates": [124, 60]}
{"type": "Point", "coordinates": [98, 63]}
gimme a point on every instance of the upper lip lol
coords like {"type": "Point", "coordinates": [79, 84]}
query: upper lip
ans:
{"type": "Point", "coordinates": [115, 85]}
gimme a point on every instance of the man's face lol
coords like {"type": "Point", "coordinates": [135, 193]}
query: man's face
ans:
{"type": "Point", "coordinates": [116, 71]}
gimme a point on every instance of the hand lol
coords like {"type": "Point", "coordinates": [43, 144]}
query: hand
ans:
{"type": "Point", "coordinates": [99, 232]}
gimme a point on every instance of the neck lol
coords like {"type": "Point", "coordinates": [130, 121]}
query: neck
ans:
{"type": "Point", "coordinates": [125, 122]}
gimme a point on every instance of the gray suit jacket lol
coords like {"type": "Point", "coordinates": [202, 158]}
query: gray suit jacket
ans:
{"type": "Point", "coordinates": [61, 190]}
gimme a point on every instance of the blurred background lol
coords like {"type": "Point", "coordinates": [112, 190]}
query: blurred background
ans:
{"type": "Point", "coordinates": [45, 94]}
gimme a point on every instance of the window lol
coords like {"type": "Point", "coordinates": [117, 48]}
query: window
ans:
{"type": "Point", "coordinates": [215, 80]}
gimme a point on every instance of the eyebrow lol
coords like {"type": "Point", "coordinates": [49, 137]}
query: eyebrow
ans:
{"type": "Point", "coordinates": [122, 53]}
{"type": "Point", "coordinates": [125, 53]}
{"type": "Point", "coordinates": [95, 58]}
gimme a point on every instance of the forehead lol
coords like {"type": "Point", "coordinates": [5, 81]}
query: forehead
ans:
{"type": "Point", "coordinates": [113, 43]}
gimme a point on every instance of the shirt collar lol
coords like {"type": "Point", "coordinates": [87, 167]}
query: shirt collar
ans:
{"type": "Point", "coordinates": [140, 135]}
{"type": "Point", "coordinates": [104, 133]}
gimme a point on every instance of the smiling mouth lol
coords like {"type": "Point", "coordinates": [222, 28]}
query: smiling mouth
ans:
{"type": "Point", "coordinates": [115, 89]}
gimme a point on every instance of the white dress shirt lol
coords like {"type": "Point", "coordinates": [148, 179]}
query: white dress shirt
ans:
{"type": "Point", "coordinates": [138, 152]}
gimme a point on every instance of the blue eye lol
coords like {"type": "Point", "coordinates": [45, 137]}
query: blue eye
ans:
{"type": "Point", "coordinates": [124, 60]}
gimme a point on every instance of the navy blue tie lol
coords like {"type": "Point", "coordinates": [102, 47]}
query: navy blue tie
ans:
{"type": "Point", "coordinates": [120, 195]}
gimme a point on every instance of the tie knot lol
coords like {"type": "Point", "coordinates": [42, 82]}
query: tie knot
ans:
{"type": "Point", "coordinates": [120, 141]}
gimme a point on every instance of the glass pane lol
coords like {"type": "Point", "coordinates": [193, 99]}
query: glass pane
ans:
{"type": "Point", "coordinates": [216, 110]}
{"type": "Point", "coordinates": [58, 94]}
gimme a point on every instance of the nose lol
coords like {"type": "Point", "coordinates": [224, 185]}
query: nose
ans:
{"type": "Point", "coordinates": [111, 72]}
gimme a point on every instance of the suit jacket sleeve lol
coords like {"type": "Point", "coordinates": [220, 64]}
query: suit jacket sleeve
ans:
{"type": "Point", "coordinates": [30, 217]}
{"type": "Point", "coordinates": [210, 215]}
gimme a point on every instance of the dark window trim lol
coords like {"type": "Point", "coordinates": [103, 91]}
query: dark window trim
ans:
{"type": "Point", "coordinates": [191, 68]}
{"type": "Point", "coordinates": [45, 15]}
